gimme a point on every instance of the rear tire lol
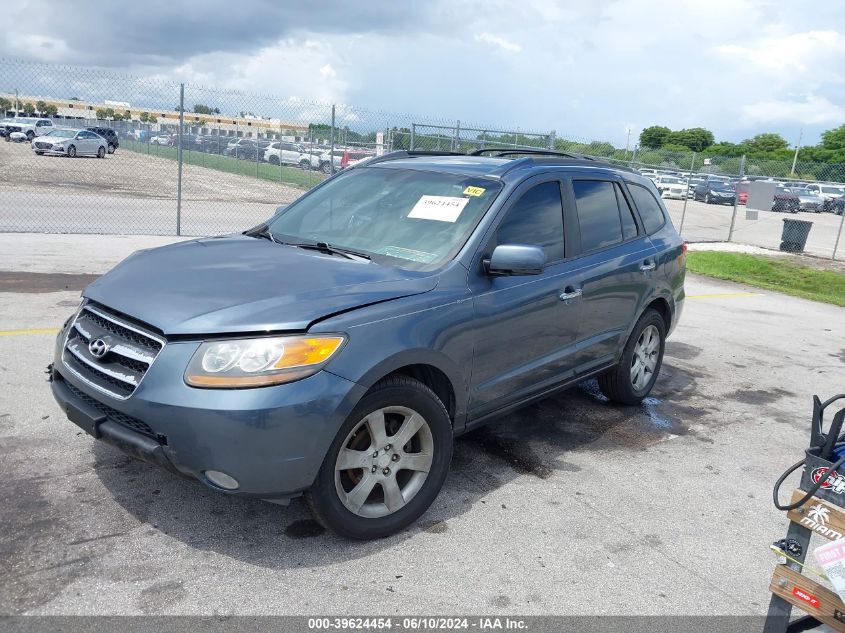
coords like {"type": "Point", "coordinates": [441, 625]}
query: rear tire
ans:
{"type": "Point", "coordinates": [389, 405]}
{"type": "Point", "coordinates": [618, 383]}
{"type": "Point", "coordinates": [30, 135]}
{"type": "Point", "coordinates": [304, 164]}
{"type": "Point", "coordinates": [274, 160]}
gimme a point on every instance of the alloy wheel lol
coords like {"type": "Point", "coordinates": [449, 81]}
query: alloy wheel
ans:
{"type": "Point", "coordinates": [644, 361]}
{"type": "Point", "coordinates": [384, 462]}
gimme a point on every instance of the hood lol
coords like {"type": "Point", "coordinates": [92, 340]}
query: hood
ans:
{"type": "Point", "coordinates": [241, 284]}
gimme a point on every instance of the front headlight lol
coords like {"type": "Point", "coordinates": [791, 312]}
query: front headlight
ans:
{"type": "Point", "coordinates": [260, 362]}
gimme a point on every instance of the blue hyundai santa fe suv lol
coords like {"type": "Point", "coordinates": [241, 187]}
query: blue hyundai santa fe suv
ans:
{"type": "Point", "coordinates": [337, 349]}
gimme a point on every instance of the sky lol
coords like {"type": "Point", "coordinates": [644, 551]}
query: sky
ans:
{"type": "Point", "coordinates": [589, 70]}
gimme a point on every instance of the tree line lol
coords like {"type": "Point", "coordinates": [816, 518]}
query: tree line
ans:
{"type": "Point", "coordinates": [766, 146]}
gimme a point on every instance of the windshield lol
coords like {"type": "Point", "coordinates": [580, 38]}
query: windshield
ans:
{"type": "Point", "coordinates": [671, 180]}
{"type": "Point", "coordinates": [61, 133]}
{"type": "Point", "coordinates": [402, 217]}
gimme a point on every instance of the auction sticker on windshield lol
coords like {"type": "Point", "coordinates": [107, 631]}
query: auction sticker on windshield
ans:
{"type": "Point", "coordinates": [441, 208]}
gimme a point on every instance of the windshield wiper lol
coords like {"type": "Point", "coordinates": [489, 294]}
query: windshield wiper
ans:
{"type": "Point", "coordinates": [324, 247]}
{"type": "Point", "coordinates": [266, 233]}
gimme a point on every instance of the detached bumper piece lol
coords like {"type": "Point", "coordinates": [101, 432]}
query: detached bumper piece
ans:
{"type": "Point", "coordinates": [111, 426]}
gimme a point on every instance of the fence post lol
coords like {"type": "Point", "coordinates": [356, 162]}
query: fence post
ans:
{"type": "Point", "coordinates": [457, 135]}
{"type": "Point", "coordinates": [179, 160]}
{"type": "Point", "coordinates": [413, 134]}
{"type": "Point", "coordinates": [331, 155]}
{"type": "Point", "coordinates": [552, 136]}
{"type": "Point", "coordinates": [838, 235]}
{"type": "Point", "coordinates": [736, 199]}
{"type": "Point", "coordinates": [686, 196]}
{"type": "Point", "coordinates": [634, 156]}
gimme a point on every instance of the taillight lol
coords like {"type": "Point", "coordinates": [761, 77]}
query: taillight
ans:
{"type": "Point", "coordinates": [344, 162]}
{"type": "Point", "coordinates": [684, 247]}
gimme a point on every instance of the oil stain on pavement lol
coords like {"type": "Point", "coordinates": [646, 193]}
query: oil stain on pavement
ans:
{"type": "Point", "coordinates": [43, 282]}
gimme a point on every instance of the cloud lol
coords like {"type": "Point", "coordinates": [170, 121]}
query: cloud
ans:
{"type": "Point", "coordinates": [163, 31]}
{"type": "Point", "coordinates": [586, 70]}
{"type": "Point", "coordinates": [810, 111]}
{"type": "Point", "coordinates": [499, 42]}
{"type": "Point", "coordinates": [817, 51]}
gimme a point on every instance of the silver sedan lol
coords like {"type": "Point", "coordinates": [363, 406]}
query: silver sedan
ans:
{"type": "Point", "coordinates": [71, 143]}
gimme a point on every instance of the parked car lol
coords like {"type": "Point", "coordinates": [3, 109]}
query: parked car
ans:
{"type": "Point", "coordinates": [741, 189]}
{"type": "Point", "coordinates": [109, 134]}
{"type": "Point", "coordinates": [693, 183]}
{"type": "Point", "coordinates": [672, 187]}
{"type": "Point", "coordinates": [70, 143]}
{"type": "Point", "coordinates": [807, 200]}
{"type": "Point", "coordinates": [238, 147]}
{"type": "Point", "coordinates": [28, 126]}
{"type": "Point", "coordinates": [283, 152]}
{"type": "Point", "coordinates": [419, 309]}
{"type": "Point", "coordinates": [310, 158]}
{"type": "Point", "coordinates": [785, 200]}
{"type": "Point", "coordinates": [714, 191]}
{"type": "Point", "coordinates": [162, 139]}
{"type": "Point", "coordinates": [830, 193]}
{"type": "Point", "coordinates": [343, 158]}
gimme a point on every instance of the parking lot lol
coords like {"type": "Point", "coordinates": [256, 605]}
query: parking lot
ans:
{"type": "Point", "coordinates": [134, 193]}
{"type": "Point", "coordinates": [572, 506]}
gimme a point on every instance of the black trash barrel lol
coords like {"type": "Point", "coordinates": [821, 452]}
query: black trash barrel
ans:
{"type": "Point", "coordinates": [794, 236]}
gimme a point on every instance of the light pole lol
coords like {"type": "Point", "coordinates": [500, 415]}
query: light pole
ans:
{"type": "Point", "coordinates": [797, 148]}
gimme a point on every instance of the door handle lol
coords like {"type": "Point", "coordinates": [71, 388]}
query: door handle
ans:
{"type": "Point", "coordinates": [647, 266]}
{"type": "Point", "coordinates": [569, 294]}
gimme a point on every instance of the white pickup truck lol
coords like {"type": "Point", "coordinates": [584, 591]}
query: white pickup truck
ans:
{"type": "Point", "coordinates": [28, 126]}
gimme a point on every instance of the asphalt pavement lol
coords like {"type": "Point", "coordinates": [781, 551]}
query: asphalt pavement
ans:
{"type": "Point", "coordinates": [571, 506]}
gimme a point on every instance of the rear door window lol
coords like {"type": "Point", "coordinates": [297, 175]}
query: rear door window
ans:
{"type": "Point", "coordinates": [598, 214]}
{"type": "Point", "coordinates": [536, 219]}
{"type": "Point", "coordinates": [650, 210]}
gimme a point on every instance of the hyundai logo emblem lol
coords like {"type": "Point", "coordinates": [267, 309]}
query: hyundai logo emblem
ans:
{"type": "Point", "coordinates": [98, 348]}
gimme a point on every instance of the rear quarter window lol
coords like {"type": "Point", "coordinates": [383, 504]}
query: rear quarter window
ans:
{"type": "Point", "coordinates": [650, 210]}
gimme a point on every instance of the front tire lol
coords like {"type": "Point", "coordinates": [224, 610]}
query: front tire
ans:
{"type": "Point", "coordinates": [633, 378]}
{"type": "Point", "coordinates": [112, 148]}
{"type": "Point", "coordinates": [707, 198]}
{"type": "Point", "coordinates": [71, 151]}
{"type": "Point", "coordinates": [30, 135]}
{"type": "Point", "coordinates": [101, 152]}
{"type": "Point", "coordinates": [387, 463]}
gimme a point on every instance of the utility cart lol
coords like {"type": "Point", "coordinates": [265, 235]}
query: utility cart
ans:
{"type": "Point", "coordinates": [816, 507]}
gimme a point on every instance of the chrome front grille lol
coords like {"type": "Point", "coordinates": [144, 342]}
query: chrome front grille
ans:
{"type": "Point", "coordinates": [129, 351]}
{"type": "Point", "coordinates": [41, 145]}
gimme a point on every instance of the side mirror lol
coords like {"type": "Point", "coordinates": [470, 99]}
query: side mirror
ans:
{"type": "Point", "coordinates": [516, 259]}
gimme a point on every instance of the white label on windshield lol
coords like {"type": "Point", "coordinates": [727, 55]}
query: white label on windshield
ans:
{"type": "Point", "coordinates": [441, 208]}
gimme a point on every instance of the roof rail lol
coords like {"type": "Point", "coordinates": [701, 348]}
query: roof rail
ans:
{"type": "Point", "coordinates": [401, 153]}
{"type": "Point", "coordinates": [509, 151]}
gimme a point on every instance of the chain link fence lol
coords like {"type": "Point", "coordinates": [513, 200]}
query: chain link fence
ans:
{"type": "Point", "coordinates": [193, 160]}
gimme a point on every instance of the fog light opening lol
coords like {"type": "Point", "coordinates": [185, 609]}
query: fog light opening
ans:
{"type": "Point", "coordinates": [221, 480]}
